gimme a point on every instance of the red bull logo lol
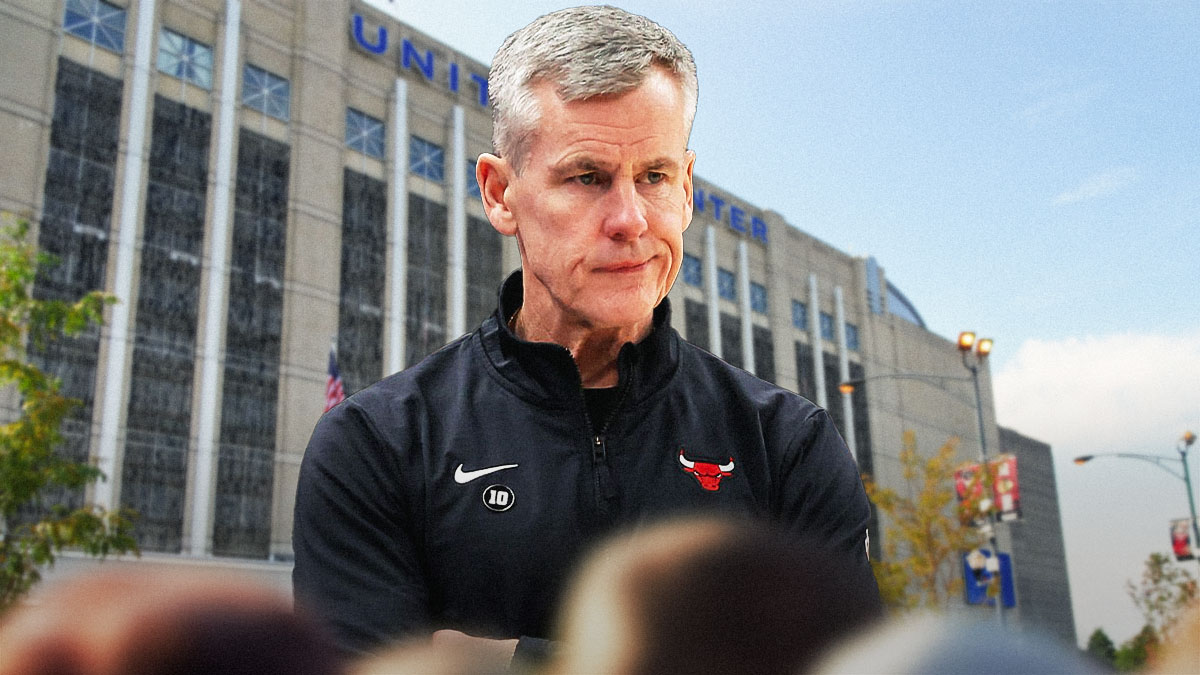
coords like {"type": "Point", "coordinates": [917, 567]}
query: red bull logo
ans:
{"type": "Point", "coordinates": [709, 474]}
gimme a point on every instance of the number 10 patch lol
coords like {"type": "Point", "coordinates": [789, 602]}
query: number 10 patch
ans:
{"type": "Point", "coordinates": [498, 498]}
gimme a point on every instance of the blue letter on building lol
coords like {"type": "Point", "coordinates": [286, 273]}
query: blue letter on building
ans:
{"type": "Point", "coordinates": [380, 45]}
{"type": "Point", "coordinates": [481, 82]}
{"type": "Point", "coordinates": [717, 203]}
{"type": "Point", "coordinates": [737, 218]}
{"type": "Point", "coordinates": [758, 229]}
{"type": "Point", "coordinates": [698, 200]}
{"type": "Point", "coordinates": [411, 54]}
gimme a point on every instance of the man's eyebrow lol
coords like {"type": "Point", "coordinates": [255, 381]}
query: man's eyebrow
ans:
{"type": "Point", "coordinates": [661, 163]}
{"type": "Point", "coordinates": [576, 165]}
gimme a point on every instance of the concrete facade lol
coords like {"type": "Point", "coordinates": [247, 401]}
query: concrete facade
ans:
{"type": "Point", "coordinates": [1039, 558]}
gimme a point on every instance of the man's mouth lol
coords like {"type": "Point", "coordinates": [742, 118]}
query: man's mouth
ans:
{"type": "Point", "coordinates": [625, 267]}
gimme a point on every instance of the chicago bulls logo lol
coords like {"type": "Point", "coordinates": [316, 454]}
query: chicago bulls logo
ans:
{"type": "Point", "coordinates": [709, 474]}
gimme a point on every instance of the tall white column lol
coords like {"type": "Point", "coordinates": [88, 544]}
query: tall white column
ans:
{"type": "Point", "coordinates": [456, 245]}
{"type": "Point", "coordinates": [747, 311]}
{"type": "Point", "coordinates": [204, 488]}
{"type": "Point", "coordinates": [115, 376]}
{"type": "Point", "coordinates": [398, 290]}
{"type": "Point", "coordinates": [818, 348]}
{"type": "Point", "coordinates": [714, 295]}
{"type": "Point", "coordinates": [844, 371]}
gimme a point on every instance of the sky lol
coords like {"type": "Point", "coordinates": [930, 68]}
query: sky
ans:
{"type": "Point", "coordinates": [1027, 169]}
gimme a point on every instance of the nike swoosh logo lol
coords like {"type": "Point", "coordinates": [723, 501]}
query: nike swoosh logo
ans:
{"type": "Point", "coordinates": [462, 477]}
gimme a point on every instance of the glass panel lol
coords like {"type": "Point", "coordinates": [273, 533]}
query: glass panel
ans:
{"type": "Point", "coordinates": [695, 316]}
{"type": "Point", "coordinates": [266, 93]}
{"type": "Point", "coordinates": [826, 326]}
{"type": "Point", "coordinates": [851, 337]}
{"type": "Point", "coordinates": [483, 270]}
{"type": "Point", "coordinates": [97, 22]}
{"type": "Point", "coordinates": [806, 383]}
{"type": "Point", "coordinates": [472, 181]}
{"type": "Point", "coordinates": [731, 340]}
{"type": "Point", "coordinates": [154, 474]}
{"type": "Point", "coordinates": [799, 315]}
{"type": "Point", "coordinates": [75, 226]}
{"type": "Point", "coordinates": [246, 467]}
{"type": "Point", "coordinates": [184, 58]}
{"type": "Point", "coordinates": [758, 298]}
{"type": "Point", "coordinates": [426, 299]}
{"type": "Point", "coordinates": [692, 274]}
{"type": "Point", "coordinates": [364, 133]}
{"type": "Point", "coordinates": [360, 310]}
{"type": "Point", "coordinates": [726, 284]}
{"type": "Point", "coordinates": [426, 159]}
{"type": "Point", "coordinates": [764, 354]}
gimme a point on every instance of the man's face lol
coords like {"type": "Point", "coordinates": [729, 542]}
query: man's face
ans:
{"type": "Point", "coordinates": [601, 203]}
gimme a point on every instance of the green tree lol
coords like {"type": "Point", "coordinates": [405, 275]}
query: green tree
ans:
{"type": "Point", "coordinates": [1165, 591]}
{"type": "Point", "coordinates": [1101, 647]}
{"type": "Point", "coordinates": [29, 466]}
{"type": "Point", "coordinates": [1137, 651]}
{"type": "Point", "coordinates": [927, 531]}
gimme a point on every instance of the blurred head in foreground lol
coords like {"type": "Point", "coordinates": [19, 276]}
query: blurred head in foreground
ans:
{"type": "Point", "coordinates": [151, 623]}
{"type": "Point", "coordinates": [939, 645]}
{"type": "Point", "coordinates": [710, 596]}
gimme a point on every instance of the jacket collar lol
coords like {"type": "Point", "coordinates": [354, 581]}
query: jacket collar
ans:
{"type": "Point", "coordinates": [547, 372]}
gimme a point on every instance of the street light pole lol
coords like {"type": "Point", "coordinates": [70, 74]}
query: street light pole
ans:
{"type": "Point", "coordinates": [966, 344]}
{"type": "Point", "coordinates": [1161, 462]}
{"type": "Point", "coordinates": [967, 341]}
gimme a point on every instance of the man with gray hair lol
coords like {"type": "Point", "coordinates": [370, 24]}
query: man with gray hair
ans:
{"type": "Point", "coordinates": [457, 495]}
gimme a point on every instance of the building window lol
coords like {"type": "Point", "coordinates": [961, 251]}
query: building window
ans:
{"type": "Point", "coordinates": [425, 300]}
{"type": "Point", "coordinates": [364, 133]}
{"type": "Point", "coordinates": [472, 181]}
{"type": "Point", "coordinates": [266, 92]}
{"type": "Point", "coordinates": [758, 298]}
{"type": "Point", "coordinates": [360, 308]}
{"type": "Point", "coordinates": [250, 391]}
{"type": "Point", "coordinates": [184, 58]}
{"type": "Point", "coordinates": [764, 354]}
{"type": "Point", "coordinates": [851, 337]}
{"type": "Point", "coordinates": [731, 340]}
{"type": "Point", "coordinates": [726, 284]}
{"type": "Point", "coordinates": [826, 326]}
{"type": "Point", "coordinates": [695, 317]}
{"type": "Point", "coordinates": [484, 271]}
{"type": "Point", "coordinates": [97, 22]}
{"type": "Point", "coordinates": [799, 315]}
{"type": "Point", "coordinates": [159, 413]}
{"type": "Point", "coordinates": [692, 275]}
{"type": "Point", "coordinates": [426, 159]}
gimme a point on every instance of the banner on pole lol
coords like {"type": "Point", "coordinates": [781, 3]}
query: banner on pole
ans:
{"type": "Point", "coordinates": [1181, 539]}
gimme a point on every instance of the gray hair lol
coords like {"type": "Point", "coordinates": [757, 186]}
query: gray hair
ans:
{"type": "Point", "coordinates": [583, 52]}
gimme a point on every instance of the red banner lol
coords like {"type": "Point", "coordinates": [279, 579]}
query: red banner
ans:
{"type": "Point", "coordinates": [1181, 539]}
{"type": "Point", "coordinates": [1005, 488]}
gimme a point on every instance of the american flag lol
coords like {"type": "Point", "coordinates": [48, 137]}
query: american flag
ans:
{"type": "Point", "coordinates": [334, 392]}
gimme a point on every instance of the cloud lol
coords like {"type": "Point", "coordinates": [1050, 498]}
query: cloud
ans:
{"type": "Point", "coordinates": [1116, 393]}
{"type": "Point", "coordinates": [1061, 102]}
{"type": "Point", "coordinates": [1099, 185]}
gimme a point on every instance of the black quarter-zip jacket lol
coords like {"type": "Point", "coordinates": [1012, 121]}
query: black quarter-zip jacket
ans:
{"type": "Point", "coordinates": [461, 492]}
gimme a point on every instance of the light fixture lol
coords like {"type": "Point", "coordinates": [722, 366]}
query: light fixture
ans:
{"type": "Point", "coordinates": [966, 340]}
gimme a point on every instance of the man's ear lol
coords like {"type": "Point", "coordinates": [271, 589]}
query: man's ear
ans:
{"type": "Point", "coordinates": [687, 188]}
{"type": "Point", "coordinates": [494, 175]}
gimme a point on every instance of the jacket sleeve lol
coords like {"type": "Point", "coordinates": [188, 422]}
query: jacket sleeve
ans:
{"type": "Point", "coordinates": [357, 565]}
{"type": "Point", "coordinates": [822, 499]}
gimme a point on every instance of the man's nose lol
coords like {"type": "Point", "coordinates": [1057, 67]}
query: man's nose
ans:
{"type": "Point", "coordinates": [625, 215]}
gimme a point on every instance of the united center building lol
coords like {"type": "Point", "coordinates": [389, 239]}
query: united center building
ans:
{"type": "Point", "coordinates": [259, 180]}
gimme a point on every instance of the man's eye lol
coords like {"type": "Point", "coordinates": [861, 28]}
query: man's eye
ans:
{"type": "Point", "coordinates": [586, 179]}
{"type": "Point", "coordinates": [655, 177]}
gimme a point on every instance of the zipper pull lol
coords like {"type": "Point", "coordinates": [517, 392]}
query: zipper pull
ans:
{"type": "Point", "coordinates": [605, 485]}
